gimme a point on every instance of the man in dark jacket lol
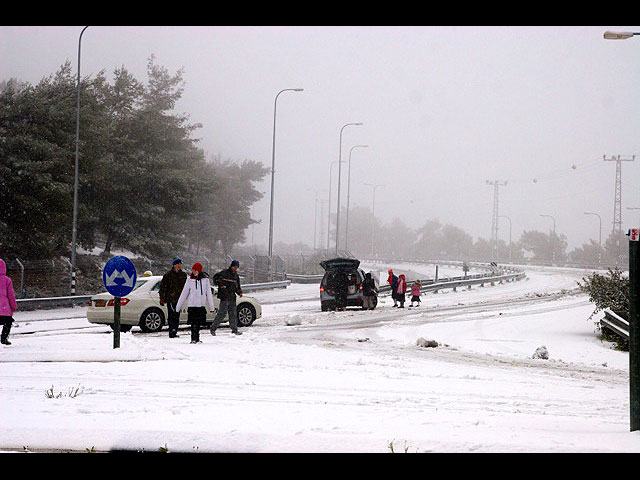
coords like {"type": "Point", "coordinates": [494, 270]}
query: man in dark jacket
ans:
{"type": "Point", "coordinates": [228, 282]}
{"type": "Point", "coordinates": [369, 292]}
{"type": "Point", "coordinates": [341, 289]}
{"type": "Point", "coordinates": [171, 287]}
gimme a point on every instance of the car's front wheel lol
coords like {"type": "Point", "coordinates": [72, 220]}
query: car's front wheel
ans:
{"type": "Point", "coordinates": [123, 328]}
{"type": "Point", "coordinates": [152, 320]}
{"type": "Point", "coordinates": [246, 315]}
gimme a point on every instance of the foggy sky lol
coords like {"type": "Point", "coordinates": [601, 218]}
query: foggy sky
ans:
{"type": "Point", "coordinates": [444, 109]}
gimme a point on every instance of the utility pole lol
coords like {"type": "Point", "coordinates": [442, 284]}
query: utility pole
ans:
{"type": "Point", "coordinates": [494, 219]}
{"type": "Point", "coordinates": [617, 202]}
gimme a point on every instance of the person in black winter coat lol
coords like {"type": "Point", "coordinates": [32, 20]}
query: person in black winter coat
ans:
{"type": "Point", "coordinates": [228, 282]}
{"type": "Point", "coordinates": [393, 281]}
{"type": "Point", "coordinates": [369, 292]}
{"type": "Point", "coordinates": [341, 288]}
{"type": "Point", "coordinates": [171, 287]}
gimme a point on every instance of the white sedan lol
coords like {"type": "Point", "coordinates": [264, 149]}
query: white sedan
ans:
{"type": "Point", "coordinates": [142, 308]}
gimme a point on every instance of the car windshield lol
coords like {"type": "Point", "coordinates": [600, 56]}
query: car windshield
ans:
{"type": "Point", "coordinates": [139, 283]}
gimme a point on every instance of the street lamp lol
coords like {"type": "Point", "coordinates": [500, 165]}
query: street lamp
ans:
{"type": "Point", "coordinates": [600, 237]}
{"type": "Point", "coordinates": [74, 231]}
{"type": "Point", "coordinates": [346, 231]}
{"type": "Point", "coordinates": [553, 240]}
{"type": "Point", "coordinates": [273, 163]}
{"type": "Point", "coordinates": [619, 35]}
{"type": "Point", "coordinates": [329, 215]}
{"type": "Point", "coordinates": [504, 216]}
{"type": "Point", "coordinates": [373, 209]}
{"type": "Point", "coordinates": [339, 179]}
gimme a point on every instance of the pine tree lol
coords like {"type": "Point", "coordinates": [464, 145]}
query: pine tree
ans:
{"type": "Point", "coordinates": [36, 173]}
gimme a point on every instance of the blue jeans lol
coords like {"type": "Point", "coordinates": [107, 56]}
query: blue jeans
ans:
{"type": "Point", "coordinates": [227, 307]}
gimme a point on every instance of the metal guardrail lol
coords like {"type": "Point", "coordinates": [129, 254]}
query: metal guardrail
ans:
{"type": "Point", "coordinates": [507, 274]}
{"type": "Point", "coordinates": [49, 302]}
{"type": "Point", "coordinates": [615, 323]}
{"type": "Point", "coordinates": [254, 287]}
{"type": "Point", "coordinates": [31, 303]}
{"type": "Point", "coordinates": [455, 282]}
{"type": "Point", "coordinates": [295, 278]}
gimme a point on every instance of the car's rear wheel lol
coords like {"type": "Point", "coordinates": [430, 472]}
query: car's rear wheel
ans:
{"type": "Point", "coordinates": [246, 315]}
{"type": "Point", "coordinates": [328, 306]}
{"type": "Point", "coordinates": [152, 320]}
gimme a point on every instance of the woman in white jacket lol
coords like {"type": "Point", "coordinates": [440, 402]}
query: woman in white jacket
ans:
{"type": "Point", "coordinates": [196, 295]}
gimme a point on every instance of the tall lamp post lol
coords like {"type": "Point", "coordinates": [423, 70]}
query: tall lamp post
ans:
{"type": "Point", "coordinates": [599, 237]}
{"type": "Point", "coordinates": [634, 307]}
{"type": "Point", "coordinates": [504, 216]}
{"type": "Point", "coordinates": [273, 164]}
{"type": "Point", "coordinates": [339, 179]}
{"type": "Point", "coordinates": [553, 240]}
{"type": "Point", "coordinates": [74, 232]}
{"type": "Point", "coordinates": [346, 230]}
{"type": "Point", "coordinates": [373, 209]}
{"type": "Point", "coordinates": [329, 215]}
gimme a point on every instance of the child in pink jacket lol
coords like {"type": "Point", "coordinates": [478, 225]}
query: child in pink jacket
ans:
{"type": "Point", "coordinates": [8, 303]}
{"type": "Point", "coordinates": [415, 293]}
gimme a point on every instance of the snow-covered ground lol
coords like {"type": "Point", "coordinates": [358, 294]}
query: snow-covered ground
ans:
{"type": "Point", "coordinates": [301, 380]}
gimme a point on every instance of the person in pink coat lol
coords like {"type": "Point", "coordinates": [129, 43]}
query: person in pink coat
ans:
{"type": "Point", "coordinates": [415, 293]}
{"type": "Point", "coordinates": [8, 303]}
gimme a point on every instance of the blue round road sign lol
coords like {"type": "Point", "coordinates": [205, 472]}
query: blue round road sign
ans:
{"type": "Point", "coordinates": [119, 276]}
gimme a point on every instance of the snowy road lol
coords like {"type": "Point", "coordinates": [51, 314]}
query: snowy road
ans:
{"type": "Point", "coordinates": [301, 380]}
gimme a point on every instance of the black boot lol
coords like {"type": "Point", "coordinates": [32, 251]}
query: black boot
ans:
{"type": "Point", "coordinates": [6, 328]}
{"type": "Point", "coordinates": [195, 333]}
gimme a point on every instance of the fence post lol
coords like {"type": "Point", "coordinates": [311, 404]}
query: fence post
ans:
{"type": "Point", "coordinates": [21, 278]}
{"type": "Point", "coordinates": [73, 276]}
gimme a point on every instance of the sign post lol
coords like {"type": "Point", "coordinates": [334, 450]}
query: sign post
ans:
{"type": "Point", "coordinates": [119, 278]}
{"type": "Point", "coordinates": [634, 330]}
{"type": "Point", "coordinates": [116, 322]}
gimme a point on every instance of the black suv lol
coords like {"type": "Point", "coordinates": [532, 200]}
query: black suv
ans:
{"type": "Point", "coordinates": [355, 278]}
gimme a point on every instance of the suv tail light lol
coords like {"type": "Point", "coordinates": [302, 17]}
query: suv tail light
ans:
{"type": "Point", "coordinates": [321, 289]}
{"type": "Point", "coordinates": [123, 302]}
